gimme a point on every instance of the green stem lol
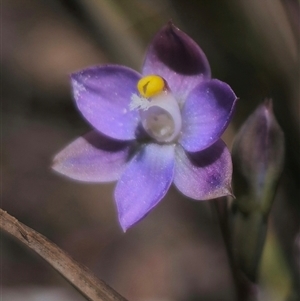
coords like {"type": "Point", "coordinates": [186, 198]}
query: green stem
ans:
{"type": "Point", "coordinates": [245, 289]}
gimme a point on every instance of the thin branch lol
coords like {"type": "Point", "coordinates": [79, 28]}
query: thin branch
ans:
{"type": "Point", "coordinates": [78, 275]}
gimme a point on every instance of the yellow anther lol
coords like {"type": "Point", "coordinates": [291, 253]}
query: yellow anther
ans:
{"type": "Point", "coordinates": [151, 85]}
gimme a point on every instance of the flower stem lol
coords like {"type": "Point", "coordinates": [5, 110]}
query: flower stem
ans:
{"type": "Point", "coordinates": [245, 289]}
{"type": "Point", "coordinates": [78, 275]}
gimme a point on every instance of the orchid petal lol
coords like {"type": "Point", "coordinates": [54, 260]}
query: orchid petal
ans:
{"type": "Point", "coordinates": [206, 114]}
{"type": "Point", "coordinates": [174, 56]}
{"type": "Point", "coordinates": [103, 95]}
{"type": "Point", "coordinates": [144, 182]}
{"type": "Point", "coordinates": [206, 174]}
{"type": "Point", "coordinates": [93, 158]}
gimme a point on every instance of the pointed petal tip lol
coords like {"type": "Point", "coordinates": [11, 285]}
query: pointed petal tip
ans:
{"type": "Point", "coordinates": [268, 103]}
{"type": "Point", "coordinates": [123, 222]}
{"type": "Point", "coordinates": [126, 221]}
{"type": "Point", "coordinates": [229, 192]}
{"type": "Point", "coordinates": [124, 227]}
{"type": "Point", "coordinates": [222, 192]}
{"type": "Point", "coordinates": [170, 25]}
{"type": "Point", "coordinates": [75, 76]}
{"type": "Point", "coordinates": [55, 163]}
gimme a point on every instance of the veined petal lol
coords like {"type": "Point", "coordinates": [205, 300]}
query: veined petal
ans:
{"type": "Point", "coordinates": [174, 56]}
{"type": "Point", "coordinates": [93, 158]}
{"type": "Point", "coordinates": [206, 114]}
{"type": "Point", "coordinates": [103, 95]}
{"type": "Point", "coordinates": [144, 182]}
{"type": "Point", "coordinates": [206, 174]}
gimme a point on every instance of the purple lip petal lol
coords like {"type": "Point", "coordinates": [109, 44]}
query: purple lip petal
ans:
{"type": "Point", "coordinates": [144, 183]}
{"type": "Point", "coordinates": [206, 174]}
{"type": "Point", "coordinates": [206, 114]}
{"type": "Point", "coordinates": [93, 158]}
{"type": "Point", "coordinates": [103, 95]}
{"type": "Point", "coordinates": [178, 59]}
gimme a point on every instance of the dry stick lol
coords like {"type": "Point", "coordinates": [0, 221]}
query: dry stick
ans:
{"type": "Point", "coordinates": [78, 275]}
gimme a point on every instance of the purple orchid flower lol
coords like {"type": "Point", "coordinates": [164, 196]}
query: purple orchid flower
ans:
{"type": "Point", "coordinates": [154, 128]}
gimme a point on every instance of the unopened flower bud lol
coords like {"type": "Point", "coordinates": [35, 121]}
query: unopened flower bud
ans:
{"type": "Point", "coordinates": [258, 155]}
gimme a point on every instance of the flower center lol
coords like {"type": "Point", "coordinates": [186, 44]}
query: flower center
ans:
{"type": "Point", "coordinates": [159, 110]}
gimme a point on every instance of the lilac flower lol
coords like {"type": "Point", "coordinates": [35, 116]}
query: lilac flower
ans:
{"type": "Point", "coordinates": [154, 128]}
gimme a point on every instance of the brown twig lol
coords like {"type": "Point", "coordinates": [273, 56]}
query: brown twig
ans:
{"type": "Point", "coordinates": [78, 275]}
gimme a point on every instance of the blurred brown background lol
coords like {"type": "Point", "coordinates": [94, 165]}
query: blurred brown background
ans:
{"type": "Point", "coordinates": [177, 252]}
